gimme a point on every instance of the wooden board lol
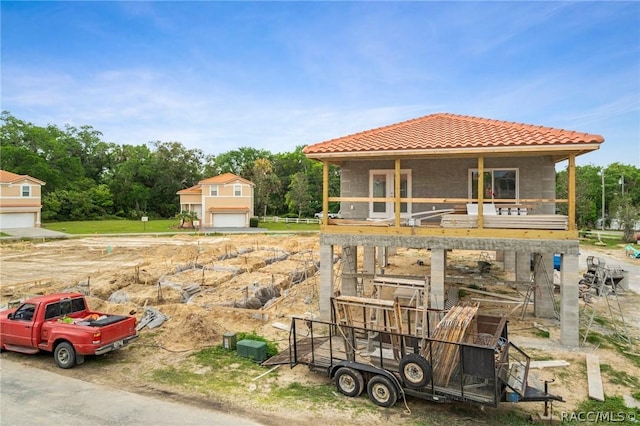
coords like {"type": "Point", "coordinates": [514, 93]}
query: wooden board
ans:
{"type": "Point", "coordinates": [593, 378]}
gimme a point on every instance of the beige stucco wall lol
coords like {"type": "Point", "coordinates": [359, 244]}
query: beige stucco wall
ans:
{"type": "Point", "coordinates": [11, 194]}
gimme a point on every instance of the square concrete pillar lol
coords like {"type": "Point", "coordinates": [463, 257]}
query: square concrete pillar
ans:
{"type": "Point", "coordinates": [349, 270]}
{"type": "Point", "coordinates": [369, 260]}
{"type": "Point", "coordinates": [383, 256]}
{"type": "Point", "coordinates": [326, 281]}
{"type": "Point", "coordinates": [523, 266]}
{"type": "Point", "coordinates": [569, 308]}
{"type": "Point", "coordinates": [543, 304]}
{"type": "Point", "coordinates": [438, 272]}
{"type": "Point", "coordinates": [509, 259]}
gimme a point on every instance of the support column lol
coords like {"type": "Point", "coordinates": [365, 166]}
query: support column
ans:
{"type": "Point", "coordinates": [438, 272]}
{"type": "Point", "coordinates": [326, 281]}
{"type": "Point", "coordinates": [543, 280]}
{"type": "Point", "coordinates": [369, 260]}
{"type": "Point", "coordinates": [349, 280]}
{"type": "Point", "coordinates": [383, 258]}
{"type": "Point", "coordinates": [569, 309]}
{"type": "Point", "coordinates": [523, 266]}
{"type": "Point", "coordinates": [509, 259]}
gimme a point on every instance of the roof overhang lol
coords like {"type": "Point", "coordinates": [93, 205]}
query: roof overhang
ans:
{"type": "Point", "coordinates": [558, 153]}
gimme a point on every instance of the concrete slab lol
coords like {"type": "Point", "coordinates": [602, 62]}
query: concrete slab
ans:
{"type": "Point", "coordinates": [32, 233]}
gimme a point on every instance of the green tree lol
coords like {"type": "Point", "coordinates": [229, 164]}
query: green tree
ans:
{"type": "Point", "coordinates": [239, 162]}
{"type": "Point", "coordinates": [265, 181]}
{"type": "Point", "coordinates": [627, 214]}
{"type": "Point", "coordinates": [298, 197]}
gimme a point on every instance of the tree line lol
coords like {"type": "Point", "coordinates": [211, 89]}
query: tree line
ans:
{"type": "Point", "coordinates": [88, 178]}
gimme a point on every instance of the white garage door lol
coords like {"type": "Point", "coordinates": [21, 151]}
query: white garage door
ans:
{"type": "Point", "coordinates": [228, 220]}
{"type": "Point", "coordinates": [17, 220]}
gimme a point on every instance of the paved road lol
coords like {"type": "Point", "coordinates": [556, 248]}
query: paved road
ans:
{"type": "Point", "coordinates": [37, 397]}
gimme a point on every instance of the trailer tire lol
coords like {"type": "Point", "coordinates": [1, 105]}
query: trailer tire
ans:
{"type": "Point", "coordinates": [382, 391]}
{"type": "Point", "coordinates": [415, 371]}
{"type": "Point", "coordinates": [65, 355]}
{"type": "Point", "coordinates": [349, 381]}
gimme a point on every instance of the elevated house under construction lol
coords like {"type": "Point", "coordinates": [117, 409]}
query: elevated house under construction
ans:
{"type": "Point", "coordinates": [445, 181]}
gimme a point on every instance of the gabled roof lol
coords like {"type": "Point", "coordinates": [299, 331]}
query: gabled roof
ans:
{"type": "Point", "coordinates": [450, 134]}
{"type": "Point", "coordinates": [223, 179]}
{"type": "Point", "coordinates": [9, 177]}
{"type": "Point", "coordinates": [196, 189]}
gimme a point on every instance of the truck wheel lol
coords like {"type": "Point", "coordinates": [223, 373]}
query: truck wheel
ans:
{"type": "Point", "coordinates": [65, 355]}
{"type": "Point", "coordinates": [349, 381]}
{"type": "Point", "coordinates": [381, 391]}
{"type": "Point", "coordinates": [415, 371]}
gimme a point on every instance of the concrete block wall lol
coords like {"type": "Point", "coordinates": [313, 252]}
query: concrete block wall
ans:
{"type": "Point", "coordinates": [447, 178]}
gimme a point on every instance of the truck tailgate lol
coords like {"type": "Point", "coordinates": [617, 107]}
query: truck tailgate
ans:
{"type": "Point", "coordinates": [115, 327]}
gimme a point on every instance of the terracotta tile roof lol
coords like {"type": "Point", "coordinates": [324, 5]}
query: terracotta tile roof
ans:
{"type": "Point", "coordinates": [224, 178]}
{"type": "Point", "coordinates": [9, 177]}
{"type": "Point", "coordinates": [454, 133]}
{"type": "Point", "coordinates": [196, 189]}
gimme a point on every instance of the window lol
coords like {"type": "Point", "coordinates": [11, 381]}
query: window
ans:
{"type": "Point", "coordinates": [25, 312]}
{"type": "Point", "coordinates": [26, 191]}
{"type": "Point", "coordinates": [499, 184]}
{"type": "Point", "coordinates": [237, 190]}
{"type": "Point", "coordinates": [214, 190]}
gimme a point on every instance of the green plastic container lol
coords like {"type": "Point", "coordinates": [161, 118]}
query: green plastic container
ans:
{"type": "Point", "coordinates": [252, 349]}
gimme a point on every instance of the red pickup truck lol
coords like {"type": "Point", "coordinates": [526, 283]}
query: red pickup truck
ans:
{"type": "Point", "coordinates": [63, 324]}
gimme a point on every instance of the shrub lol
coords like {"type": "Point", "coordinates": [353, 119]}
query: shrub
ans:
{"type": "Point", "coordinates": [253, 222]}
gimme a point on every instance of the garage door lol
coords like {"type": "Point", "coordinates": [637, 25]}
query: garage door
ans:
{"type": "Point", "coordinates": [229, 220]}
{"type": "Point", "coordinates": [17, 220]}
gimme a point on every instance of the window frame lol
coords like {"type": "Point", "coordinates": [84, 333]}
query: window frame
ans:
{"type": "Point", "coordinates": [237, 190]}
{"type": "Point", "coordinates": [214, 190]}
{"type": "Point", "coordinates": [28, 190]}
{"type": "Point", "coordinates": [491, 171]}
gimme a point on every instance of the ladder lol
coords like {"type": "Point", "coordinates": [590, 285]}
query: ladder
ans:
{"type": "Point", "coordinates": [600, 280]}
{"type": "Point", "coordinates": [349, 269]}
{"type": "Point", "coordinates": [539, 266]}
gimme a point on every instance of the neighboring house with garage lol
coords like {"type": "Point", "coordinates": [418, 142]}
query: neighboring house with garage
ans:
{"type": "Point", "coordinates": [224, 201]}
{"type": "Point", "coordinates": [446, 181]}
{"type": "Point", "coordinates": [20, 200]}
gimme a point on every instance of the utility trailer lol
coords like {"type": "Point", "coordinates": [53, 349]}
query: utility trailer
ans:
{"type": "Point", "coordinates": [483, 367]}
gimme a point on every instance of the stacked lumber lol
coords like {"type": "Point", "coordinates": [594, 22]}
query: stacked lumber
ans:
{"type": "Point", "coordinates": [452, 328]}
{"type": "Point", "coordinates": [538, 221]}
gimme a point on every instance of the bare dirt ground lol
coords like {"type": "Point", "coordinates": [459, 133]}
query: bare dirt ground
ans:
{"type": "Point", "coordinates": [205, 284]}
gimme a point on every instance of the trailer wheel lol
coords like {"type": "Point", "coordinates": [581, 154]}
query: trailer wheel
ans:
{"type": "Point", "coordinates": [381, 391]}
{"type": "Point", "coordinates": [415, 371]}
{"type": "Point", "coordinates": [349, 381]}
{"type": "Point", "coordinates": [65, 355]}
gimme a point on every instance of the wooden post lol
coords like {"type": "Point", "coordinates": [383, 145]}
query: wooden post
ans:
{"type": "Point", "coordinates": [572, 192]}
{"type": "Point", "coordinates": [397, 192]}
{"type": "Point", "coordinates": [325, 192]}
{"type": "Point", "coordinates": [480, 192]}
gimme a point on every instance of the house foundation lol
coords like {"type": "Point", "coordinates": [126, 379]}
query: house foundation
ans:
{"type": "Point", "coordinates": [544, 249]}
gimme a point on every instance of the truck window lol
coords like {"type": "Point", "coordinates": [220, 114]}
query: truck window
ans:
{"type": "Point", "coordinates": [25, 312]}
{"type": "Point", "coordinates": [78, 304]}
{"type": "Point", "coordinates": [52, 310]}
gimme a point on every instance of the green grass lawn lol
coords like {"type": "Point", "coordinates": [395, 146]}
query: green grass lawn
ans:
{"type": "Point", "coordinates": [153, 226]}
{"type": "Point", "coordinates": [116, 226]}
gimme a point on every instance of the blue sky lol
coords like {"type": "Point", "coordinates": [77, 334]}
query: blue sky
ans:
{"type": "Point", "coordinates": [274, 75]}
